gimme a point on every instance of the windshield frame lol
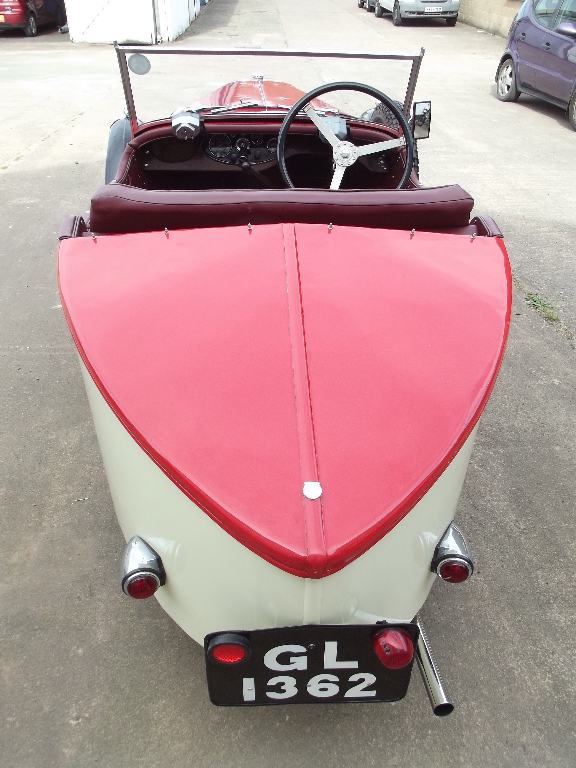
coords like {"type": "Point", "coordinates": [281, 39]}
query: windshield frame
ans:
{"type": "Point", "coordinates": [122, 52]}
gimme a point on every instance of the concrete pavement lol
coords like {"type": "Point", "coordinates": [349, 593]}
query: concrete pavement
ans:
{"type": "Point", "coordinates": [92, 678]}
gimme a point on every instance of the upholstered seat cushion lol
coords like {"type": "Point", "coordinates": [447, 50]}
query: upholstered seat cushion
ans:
{"type": "Point", "coordinates": [118, 209]}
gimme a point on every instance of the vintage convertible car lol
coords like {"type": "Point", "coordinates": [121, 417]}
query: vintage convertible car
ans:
{"type": "Point", "coordinates": [287, 343]}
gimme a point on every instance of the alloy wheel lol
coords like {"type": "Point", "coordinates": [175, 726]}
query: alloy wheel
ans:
{"type": "Point", "coordinates": [31, 28]}
{"type": "Point", "coordinates": [506, 82]}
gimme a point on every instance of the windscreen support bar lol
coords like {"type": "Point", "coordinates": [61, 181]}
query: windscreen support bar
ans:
{"type": "Point", "coordinates": [123, 50]}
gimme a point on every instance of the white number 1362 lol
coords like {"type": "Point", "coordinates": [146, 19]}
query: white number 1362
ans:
{"type": "Point", "coordinates": [320, 686]}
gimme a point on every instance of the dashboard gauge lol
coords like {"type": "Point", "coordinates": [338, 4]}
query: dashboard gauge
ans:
{"type": "Point", "coordinates": [242, 143]}
{"type": "Point", "coordinates": [220, 145]}
{"type": "Point", "coordinates": [256, 139]}
{"type": "Point", "coordinates": [272, 146]}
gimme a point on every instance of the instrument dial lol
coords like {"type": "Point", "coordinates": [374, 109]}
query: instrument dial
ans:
{"type": "Point", "coordinates": [220, 145]}
{"type": "Point", "coordinates": [272, 146]}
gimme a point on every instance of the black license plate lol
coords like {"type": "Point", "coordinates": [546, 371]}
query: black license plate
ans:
{"type": "Point", "coordinates": [307, 665]}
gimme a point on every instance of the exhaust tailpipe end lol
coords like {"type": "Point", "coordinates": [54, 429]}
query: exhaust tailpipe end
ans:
{"type": "Point", "coordinates": [441, 705]}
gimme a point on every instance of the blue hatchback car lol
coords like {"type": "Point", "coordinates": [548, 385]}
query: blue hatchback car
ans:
{"type": "Point", "coordinates": [540, 58]}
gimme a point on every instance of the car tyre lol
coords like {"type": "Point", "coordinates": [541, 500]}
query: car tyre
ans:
{"type": "Point", "coordinates": [378, 10]}
{"type": "Point", "coordinates": [31, 28]}
{"type": "Point", "coordinates": [360, 3]}
{"type": "Point", "coordinates": [451, 21]}
{"type": "Point", "coordinates": [60, 15]}
{"type": "Point", "coordinates": [506, 88]}
{"type": "Point", "coordinates": [396, 17]}
{"type": "Point", "coordinates": [572, 111]}
{"type": "Point", "coordinates": [368, 8]}
{"type": "Point", "coordinates": [120, 134]}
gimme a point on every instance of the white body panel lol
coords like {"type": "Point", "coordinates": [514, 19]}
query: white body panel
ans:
{"type": "Point", "coordinates": [215, 583]}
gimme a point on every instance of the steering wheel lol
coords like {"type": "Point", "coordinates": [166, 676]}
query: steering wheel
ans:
{"type": "Point", "coordinates": [345, 153]}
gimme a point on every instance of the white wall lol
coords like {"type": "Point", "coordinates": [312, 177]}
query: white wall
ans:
{"type": "Point", "coordinates": [175, 16]}
{"type": "Point", "coordinates": [129, 21]}
{"type": "Point", "coordinates": [106, 21]}
{"type": "Point", "coordinates": [493, 15]}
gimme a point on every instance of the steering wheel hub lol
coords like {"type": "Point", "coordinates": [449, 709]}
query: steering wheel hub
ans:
{"type": "Point", "coordinates": [345, 154]}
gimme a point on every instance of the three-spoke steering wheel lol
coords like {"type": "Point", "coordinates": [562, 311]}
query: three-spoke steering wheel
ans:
{"type": "Point", "coordinates": [345, 153]}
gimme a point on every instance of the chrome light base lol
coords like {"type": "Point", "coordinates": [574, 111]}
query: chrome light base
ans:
{"type": "Point", "coordinates": [139, 557]}
{"type": "Point", "coordinates": [452, 547]}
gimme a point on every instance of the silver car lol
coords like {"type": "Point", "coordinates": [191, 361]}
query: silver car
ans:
{"type": "Point", "coordinates": [414, 9]}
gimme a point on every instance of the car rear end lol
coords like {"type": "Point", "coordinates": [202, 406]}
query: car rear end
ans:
{"type": "Point", "coordinates": [445, 9]}
{"type": "Point", "coordinates": [13, 14]}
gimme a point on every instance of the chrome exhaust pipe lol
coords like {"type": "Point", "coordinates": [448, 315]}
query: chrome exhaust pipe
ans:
{"type": "Point", "coordinates": [430, 674]}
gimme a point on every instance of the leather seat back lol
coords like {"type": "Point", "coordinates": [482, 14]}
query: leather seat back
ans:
{"type": "Point", "coordinates": [118, 208]}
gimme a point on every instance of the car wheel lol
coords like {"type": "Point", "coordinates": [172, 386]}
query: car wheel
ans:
{"type": "Point", "coordinates": [572, 111]}
{"type": "Point", "coordinates": [396, 18]}
{"type": "Point", "coordinates": [378, 10]}
{"type": "Point", "coordinates": [360, 3]}
{"type": "Point", "coordinates": [451, 21]}
{"type": "Point", "coordinates": [506, 88]}
{"type": "Point", "coordinates": [31, 28]}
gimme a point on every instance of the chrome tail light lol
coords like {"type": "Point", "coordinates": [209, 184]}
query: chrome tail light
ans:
{"type": "Point", "coordinates": [142, 571]}
{"type": "Point", "coordinates": [452, 559]}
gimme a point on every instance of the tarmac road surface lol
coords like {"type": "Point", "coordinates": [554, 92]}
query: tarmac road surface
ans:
{"type": "Point", "coordinates": [89, 677]}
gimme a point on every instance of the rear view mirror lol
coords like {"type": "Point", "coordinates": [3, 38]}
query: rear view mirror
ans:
{"type": "Point", "coordinates": [139, 64]}
{"type": "Point", "coordinates": [567, 28]}
{"type": "Point", "coordinates": [421, 119]}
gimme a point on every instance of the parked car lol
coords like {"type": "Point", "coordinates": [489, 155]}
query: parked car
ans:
{"type": "Point", "coordinates": [414, 9]}
{"type": "Point", "coordinates": [287, 343]}
{"type": "Point", "coordinates": [31, 14]}
{"type": "Point", "coordinates": [540, 58]}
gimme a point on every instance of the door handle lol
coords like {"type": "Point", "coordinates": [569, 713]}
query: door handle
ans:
{"type": "Point", "coordinates": [522, 36]}
{"type": "Point", "coordinates": [546, 46]}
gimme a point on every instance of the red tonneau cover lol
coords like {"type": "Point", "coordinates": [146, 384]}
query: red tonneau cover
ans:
{"type": "Point", "coordinates": [247, 362]}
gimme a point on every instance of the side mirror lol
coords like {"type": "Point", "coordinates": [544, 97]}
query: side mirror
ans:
{"type": "Point", "coordinates": [567, 28]}
{"type": "Point", "coordinates": [421, 119]}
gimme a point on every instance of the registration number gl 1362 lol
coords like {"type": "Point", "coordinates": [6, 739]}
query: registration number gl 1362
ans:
{"type": "Point", "coordinates": [311, 664]}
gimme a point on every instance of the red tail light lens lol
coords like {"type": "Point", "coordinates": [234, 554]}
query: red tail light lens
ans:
{"type": "Point", "coordinates": [454, 570]}
{"type": "Point", "coordinates": [394, 648]}
{"type": "Point", "coordinates": [229, 653]}
{"type": "Point", "coordinates": [229, 649]}
{"type": "Point", "coordinates": [142, 585]}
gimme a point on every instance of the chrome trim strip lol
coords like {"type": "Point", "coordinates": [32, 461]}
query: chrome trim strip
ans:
{"type": "Point", "coordinates": [134, 576]}
{"type": "Point", "coordinates": [441, 705]}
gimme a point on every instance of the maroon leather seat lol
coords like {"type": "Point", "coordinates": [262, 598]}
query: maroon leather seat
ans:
{"type": "Point", "coordinates": [118, 208]}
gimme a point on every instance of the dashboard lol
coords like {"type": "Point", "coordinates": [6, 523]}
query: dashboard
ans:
{"type": "Point", "coordinates": [227, 156]}
{"type": "Point", "coordinates": [228, 148]}
{"type": "Point", "coordinates": [256, 148]}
